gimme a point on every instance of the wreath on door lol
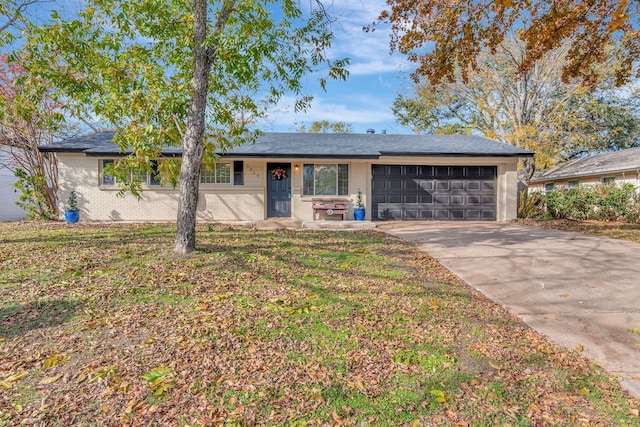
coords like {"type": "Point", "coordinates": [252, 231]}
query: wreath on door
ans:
{"type": "Point", "coordinates": [278, 174]}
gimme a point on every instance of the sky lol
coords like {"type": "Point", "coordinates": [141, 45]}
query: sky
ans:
{"type": "Point", "coordinates": [364, 100]}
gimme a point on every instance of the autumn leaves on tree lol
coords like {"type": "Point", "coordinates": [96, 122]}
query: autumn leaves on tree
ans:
{"type": "Point", "coordinates": [535, 74]}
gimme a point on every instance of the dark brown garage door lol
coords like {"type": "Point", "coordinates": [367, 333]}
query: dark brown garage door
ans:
{"type": "Point", "coordinates": [417, 192]}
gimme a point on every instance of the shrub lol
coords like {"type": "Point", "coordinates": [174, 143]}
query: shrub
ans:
{"type": "Point", "coordinates": [601, 202]}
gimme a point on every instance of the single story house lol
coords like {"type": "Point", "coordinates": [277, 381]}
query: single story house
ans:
{"type": "Point", "coordinates": [402, 177]}
{"type": "Point", "coordinates": [615, 167]}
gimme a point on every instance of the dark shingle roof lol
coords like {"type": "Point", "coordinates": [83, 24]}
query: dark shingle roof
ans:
{"type": "Point", "coordinates": [322, 145]}
{"type": "Point", "coordinates": [616, 161]}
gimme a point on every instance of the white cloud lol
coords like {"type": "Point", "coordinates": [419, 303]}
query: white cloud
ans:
{"type": "Point", "coordinates": [358, 110]}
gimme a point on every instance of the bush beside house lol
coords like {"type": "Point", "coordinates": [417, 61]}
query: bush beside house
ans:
{"type": "Point", "coordinates": [587, 202]}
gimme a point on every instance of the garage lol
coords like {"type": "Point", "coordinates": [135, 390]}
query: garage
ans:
{"type": "Point", "coordinates": [423, 192]}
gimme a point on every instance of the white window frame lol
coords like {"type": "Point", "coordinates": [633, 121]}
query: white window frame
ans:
{"type": "Point", "coordinates": [549, 187]}
{"type": "Point", "coordinates": [574, 183]}
{"type": "Point", "coordinates": [214, 174]}
{"type": "Point", "coordinates": [344, 188]}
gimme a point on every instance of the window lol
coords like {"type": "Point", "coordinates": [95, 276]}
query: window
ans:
{"type": "Point", "coordinates": [106, 179]}
{"type": "Point", "coordinates": [548, 187]}
{"type": "Point", "coordinates": [150, 178]}
{"type": "Point", "coordinates": [325, 179]}
{"type": "Point", "coordinates": [215, 173]}
{"type": "Point", "coordinates": [573, 184]}
{"type": "Point", "coordinates": [608, 180]}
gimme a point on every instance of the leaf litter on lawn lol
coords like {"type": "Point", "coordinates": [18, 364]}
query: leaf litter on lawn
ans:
{"type": "Point", "coordinates": [104, 325]}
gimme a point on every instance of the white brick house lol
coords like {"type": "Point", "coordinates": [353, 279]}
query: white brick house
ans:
{"type": "Point", "coordinates": [402, 177]}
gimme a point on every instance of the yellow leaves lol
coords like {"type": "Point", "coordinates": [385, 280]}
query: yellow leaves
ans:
{"type": "Point", "coordinates": [579, 348]}
{"type": "Point", "coordinates": [220, 297]}
{"type": "Point", "coordinates": [440, 396]}
{"type": "Point", "coordinates": [495, 366]}
{"type": "Point", "coordinates": [51, 380]}
{"type": "Point", "coordinates": [434, 304]}
{"type": "Point", "coordinates": [9, 381]}
{"type": "Point", "coordinates": [55, 360]}
{"type": "Point", "coordinates": [585, 391]}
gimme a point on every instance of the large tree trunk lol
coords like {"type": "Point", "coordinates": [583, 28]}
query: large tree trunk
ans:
{"type": "Point", "coordinates": [193, 139]}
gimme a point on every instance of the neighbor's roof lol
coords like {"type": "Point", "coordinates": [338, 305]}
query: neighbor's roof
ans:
{"type": "Point", "coordinates": [617, 161]}
{"type": "Point", "coordinates": [321, 145]}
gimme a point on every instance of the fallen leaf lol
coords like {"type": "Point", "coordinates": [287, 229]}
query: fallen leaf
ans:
{"type": "Point", "coordinates": [51, 380]}
{"type": "Point", "coordinates": [579, 348]}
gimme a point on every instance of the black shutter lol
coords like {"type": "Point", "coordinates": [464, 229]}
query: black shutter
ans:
{"type": "Point", "coordinates": [238, 172]}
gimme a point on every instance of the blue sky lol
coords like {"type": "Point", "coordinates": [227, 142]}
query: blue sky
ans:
{"type": "Point", "coordinates": [376, 77]}
{"type": "Point", "coordinates": [364, 99]}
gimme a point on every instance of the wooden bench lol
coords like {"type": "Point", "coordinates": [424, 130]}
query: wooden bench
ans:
{"type": "Point", "coordinates": [330, 206]}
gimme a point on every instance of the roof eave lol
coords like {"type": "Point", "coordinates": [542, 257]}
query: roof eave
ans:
{"type": "Point", "coordinates": [592, 173]}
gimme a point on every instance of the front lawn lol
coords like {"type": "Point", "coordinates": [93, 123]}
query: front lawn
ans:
{"type": "Point", "coordinates": [104, 325]}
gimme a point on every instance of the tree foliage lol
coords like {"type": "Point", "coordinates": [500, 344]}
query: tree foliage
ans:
{"type": "Point", "coordinates": [183, 73]}
{"type": "Point", "coordinates": [442, 35]}
{"type": "Point", "coordinates": [324, 126]}
{"type": "Point", "coordinates": [29, 117]}
{"type": "Point", "coordinates": [537, 111]}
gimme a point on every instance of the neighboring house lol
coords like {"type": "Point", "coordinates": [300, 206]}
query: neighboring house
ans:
{"type": "Point", "coordinates": [402, 177]}
{"type": "Point", "coordinates": [616, 167]}
{"type": "Point", "coordinates": [9, 211]}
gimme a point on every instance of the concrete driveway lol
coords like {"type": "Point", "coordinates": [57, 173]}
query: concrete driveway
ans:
{"type": "Point", "coordinates": [573, 288]}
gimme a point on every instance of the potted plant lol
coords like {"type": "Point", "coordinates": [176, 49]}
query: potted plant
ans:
{"type": "Point", "coordinates": [71, 213]}
{"type": "Point", "coordinates": [358, 212]}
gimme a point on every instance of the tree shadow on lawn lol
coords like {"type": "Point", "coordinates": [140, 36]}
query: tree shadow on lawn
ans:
{"type": "Point", "coordinates": [19, 319]}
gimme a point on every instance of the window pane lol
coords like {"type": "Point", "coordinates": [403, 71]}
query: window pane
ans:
{"type": "Point", "coordinates": [307, 180]}
{"type": "Point", "coordinates": [207, 174]}
{"type": "Point", "coordinates": [343, 180]}
{"type": "Point", "coordinates": [326, 179]}
{"type": "Point", "coordinates": [223, 173]}
{"type": "Point", "coordinates": [107, 179]}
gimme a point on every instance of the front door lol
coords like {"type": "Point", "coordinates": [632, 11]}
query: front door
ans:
{"type": "Point", "coordinates": [278, 190]}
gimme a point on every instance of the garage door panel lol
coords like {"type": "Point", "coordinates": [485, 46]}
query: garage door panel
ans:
{"type": "Point", "coordinates": [473, 214]}
{"type": "Point", "coordinates": [411, 199]}
{"type": "Point", "coordinates": [410, 184]}
{"type": "Point", "coordinates": [427, 185]}
{"type": "Point", "coordinates": [488, 186]}
{"type": "Point", "coordinates": [456, 214]}
{"type": "Point", "coordinates": [457, 185]}
{"type": "Point", "coordinates": [425, 199]}
{"type": "Point", "coordinates": [457, 200]}
{"type": "Point", "coordinates": [441, 199]}
{"type": "Point", "coordinates": [442, 185]}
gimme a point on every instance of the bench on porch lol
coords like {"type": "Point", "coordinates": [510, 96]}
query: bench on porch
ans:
{"type": "Point", "coordinates": [330, 206]}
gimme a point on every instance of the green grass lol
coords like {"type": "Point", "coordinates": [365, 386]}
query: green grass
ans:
{"type": "Point", "coordinates": [260, 328]}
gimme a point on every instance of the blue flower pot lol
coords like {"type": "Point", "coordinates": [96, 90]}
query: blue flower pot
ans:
{"type": "Point", "coordinates": [72, 216]}
{"type": "Point", "coordinates": [358, 214]}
